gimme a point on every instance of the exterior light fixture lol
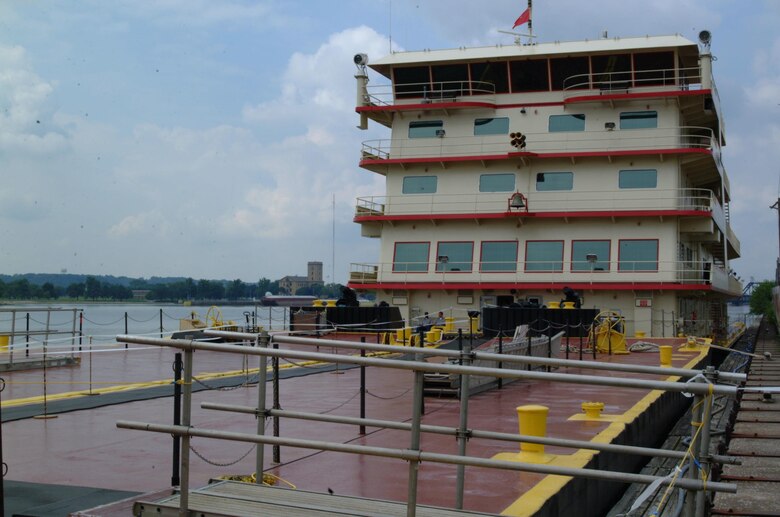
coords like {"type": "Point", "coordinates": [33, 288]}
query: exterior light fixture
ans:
{"type": "Point", "coordinates": [440, 133]}
{"type": "Point", "coordinates": [443, 259]}
{"type": "Point", "coordinates": [609, 126]}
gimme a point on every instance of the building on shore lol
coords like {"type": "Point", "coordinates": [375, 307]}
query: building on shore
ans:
{"type": "Point", "coordinates": [515, 171]}
{"type": "Point", "coordinates": [291, 283]}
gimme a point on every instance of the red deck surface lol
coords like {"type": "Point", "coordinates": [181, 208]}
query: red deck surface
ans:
{"type": "Point", "coordinates": [85, 448]}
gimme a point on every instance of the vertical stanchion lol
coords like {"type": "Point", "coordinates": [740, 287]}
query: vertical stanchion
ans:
{"type": "Point", "coordinates": [702, 498]}
{"type": "Point", "coordinates": [362, 429]}
{"type": "Point", "coordinates": [463, 433]}
{"type": "Point", "coordinates": [161, 324]}
{"type": "Point", "coordinates": [500, 351]}
{"type": "Point", "coordinates": [422, 375]}
{"type": "Point", "coordinates": [126, 332]}
{"type": "Point", "coordinates": [27, 337]}
{"type": "Point", "coordinates": [11, 338]}
{"type": "Point", "coordinates": [579, 331]}
{"type": "Point", "coordinates": [549, 349]}
{"type": "Point", "coordinates": [663, 323]}
{"type": "Point", "coordinates": [73, 335]}
{"type": "Point", "coordinates": [262, 377]}
{"type": "Point", "coordinates": [81, 328]}
{"type": "Point", "coordinates": [186, 421]}
{"type": "Point", "coordinates": [177, 368]}
{"type": "Point", "coordinates": [277, 457]}
{"type": "Point", "coordinates": [45, 414]}
{"type": "Point", "coordinates": [3, 466]}
{"type": "Point", "coordinates": [90, 368]}
{"type": "Point", "coordinates": [528, 348]}
{"type": "Point", "coordinates": [693, 464]}
{"type": "Point", "coordinates": [414, 465]}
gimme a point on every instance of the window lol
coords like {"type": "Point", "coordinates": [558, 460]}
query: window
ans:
{"type": "Point", "coordinates": [487, 76]}
{"type": "Point", "coordinates": [419, 185]}
{"type": "Point", "coordinates": [611, 72]}
{"type": "Point", "coordinates": [411, 257]}
{"type": "Point", "coordinates": [491, 126]}
{"type": "Point", "coordinates": [544, 256]}
{"type": "Point", "coordinates": [425, 128]}
{"type": "Point", "coordinates": [450, 80]}
{"type": "Point", "coordinates": [640, 178]}
{"type": "Point", "coordinates": [496, 182]}
{"type": "Point", "coordinates": [554, 181]}
{"type": "Point", "coordinates": [411, 81]}
{"type": "Point", "coordinates": [498, 256]}
{"type": "Point", "coordinates": [638, 255]}
{"type": "Point", "coordinates": [565, 68]}
{"type": "Point", "coordinates": [566, 123]}
{"type": "Point", "coordinates": [529, 76]}
{"type": "Point", "coordinates": [599, 255]}
{"type": "Point", "coordinates": [454, 256]}
{"type": "Point", "coordinates": [638, 120]}
{"type": "Point", "coordinates": [654, 68]}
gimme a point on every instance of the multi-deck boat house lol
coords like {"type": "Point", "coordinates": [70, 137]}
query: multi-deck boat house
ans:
{"type": "Point", "coordinates": [515, 171]}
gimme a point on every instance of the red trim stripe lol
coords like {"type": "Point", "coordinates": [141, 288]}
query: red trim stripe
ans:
{"type": "Point", "coordinates": [556, 286]}
{"type": "Point", "coordinates": [534, 215]}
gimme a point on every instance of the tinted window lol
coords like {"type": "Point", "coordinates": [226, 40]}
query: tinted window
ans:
{"type": "Point", "coordinates": [529, 76]}
{"type": "Point", "coordinates": [419, 185]}
{"type": "Point", "coordinates": [411, 81]}
{"type": "Point", "coordinates": [640, 178]}
{"type": "Point", "coordinates": [614, 70]}
{"type": "Point", "coordinates": [638, 119]}
{"type": "Point", "coordinates": [544, 256]}
{"type": "Point", "coordinates": [554, 181]}
{"type": "Point", "coordinates": [654, 68]}
{"type": "Point", "coordinates": [563, 68]}
{"type": "Point", "coordinates": [494, 75]}
{"type": "Point", "coordinates": [424, 128]}
{"type": "Point", "coordinates": [496, 182]}
{"type": "Point", "coordinates": [411, 256]}
{"type": "Point", "coordinates": [566, 123]}
{"type": "Point", "coordinates": [451, 79]}
{"type": "Point", "coordinates": [638, 255]}
{"type": "Point", "coordinates": [599, 252]}
{"type": "Point", "coordinates": [491, 126]}
{"type": "Point", "coordinates": [454, 256]}
{"type": "Point", "coordinates": [499, 256]}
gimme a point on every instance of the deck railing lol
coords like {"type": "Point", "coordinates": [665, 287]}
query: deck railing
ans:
{"type": "Point", "coordinates": [610, 271]}
{"type": "Point", "coordinates": [633, 81]}
{"type": "Point", "coordinates": [617, 200]}
{"type": "Point", "coordinates": [703, 385]}
{"type": "Point", "coordinates": [423, 93]}
{"type": "Point", "coordinates": [686, 137]}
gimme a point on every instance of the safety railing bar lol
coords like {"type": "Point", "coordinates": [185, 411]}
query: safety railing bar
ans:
{"type": "Point", "coordinates": [452, 431]}
{"type": "Point", "coordinates": [619, 382]}
{"type": "Point", "coordinates": [419, 456]}
{"type": "Point", "coordinates": [540, 361]}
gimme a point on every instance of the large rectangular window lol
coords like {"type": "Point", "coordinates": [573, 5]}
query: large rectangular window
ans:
{"type": "Point", "coordinates": [411, 81]}
{"type": "Point", "coordinates": [419, 185]}
{"type": "Point", "coordinates": [654, 68]}
{"type": "Point", "coordinates": [566, 123]}
{"type": "Point", "coordinates": [425, 128]}
{"type": "Point", "coordinates": [411, 257]}
{"type": "Point", "coordinates": [573, 70]}
{"type": "Point", "coordinates": [496, 182]}
{"type": "Point", "coordinates": [529, 76]}
{"type": "Point", "coordinates": [498, 256]}
{"type": "Point", "coordinates": [454, 256]}
{"type": "Point", "coordinates": [638, 255]}
{"type": "Point", "coordinates": [489, 76]}
{"type": "Point", "coordinates": [590, 255]}
{"type": "Point", "coordinates": [554, 181]}
{"type": "Point", "coordinates": [638, 178]}
{"type": "Point", "coordinates": [491, 126]}
{"type": "Point", "coordinates": [544, 256]}
{"type": "Point", "coordinates": [638, 120]}
{"type": "Point", "coordinates": [450, 80]}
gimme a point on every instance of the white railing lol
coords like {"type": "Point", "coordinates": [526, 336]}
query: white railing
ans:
{"type": "Point", "coordinates": [552, 201]}
{"type": "Point", "coordinates": [542, 272]}
{"type": "Point", "coordinates": [441, 91]}
{"type": "Point", "coordinates": [634, 81]}
{"type": "Point", "coordinates": [686, 137]}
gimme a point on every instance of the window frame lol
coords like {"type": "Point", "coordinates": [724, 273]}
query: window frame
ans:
{"type": "Point", "coordinates": [406, 270]}
{"type": "Point", "coordinates": [606, 262]}
{"type": "Point", "coordinates": [622, 113]}
{"type": "Point", "coordinates": [482, 257]}
{"type": "Point", "coordinates": [621, 265]}
{"type": "Point", "coordinates": [560, 263]}
{"type": "Point", "coordinates": [620, 178]}
{"type": "Point", "coordinates": [561, 116]}
{"type": "Point", "coordinates": [492, 119]}
{"type": "Point", "coordinates": [436, 124]}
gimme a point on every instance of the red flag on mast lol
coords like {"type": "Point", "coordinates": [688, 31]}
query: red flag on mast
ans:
{"type": "Point", "coordinates": [523, 18]}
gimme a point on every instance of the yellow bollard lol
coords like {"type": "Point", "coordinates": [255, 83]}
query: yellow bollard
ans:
{"type": "Point", "coordinates": [473, 325]}
{"type": "Point", "coordinates": [407, 332]}
{"type": "Point", "coordinates": [593, 409]}
{"type": "Point", "coordinates": [449, 325]}
{"type": "Point", "coordinates": [568, 305]}
{"type": "Point", "coordinates": [533, 422]}
{"type": "Point", "coordinates": [553, 305]}
{"type": "Point", "coordinates": [639, 333]}
{"type": "Point", "coordinates": [433, 335]}
{"type": "Point", "coordinates": [4, 343]}
{"type": "Point", "coordinates": [666, 355]}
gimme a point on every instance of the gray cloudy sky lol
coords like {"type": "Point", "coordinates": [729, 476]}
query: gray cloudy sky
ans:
{"type": "Point", "coordinates": [208, 138]}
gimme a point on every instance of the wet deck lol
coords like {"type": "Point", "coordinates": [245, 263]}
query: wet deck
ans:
{"type": "Point", "coordinates": [84, 448]}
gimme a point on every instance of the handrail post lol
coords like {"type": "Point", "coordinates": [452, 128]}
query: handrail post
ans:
{"type": "Point", "coordinates": [463, 432]}
{"type": "Point", "coordinates": [186, 420]}
{"type": "Point", "coordinates": [261, 341]}
{"type": "Point", "coordinates": [177, 368]}
{"type": "Point", "coordinates": [414, 446]}
{"type": "Point", "coordinates": [705, 459]}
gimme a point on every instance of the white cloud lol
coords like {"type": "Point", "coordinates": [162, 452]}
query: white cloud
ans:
{"type": "Point", "coordinates": [152, 222]}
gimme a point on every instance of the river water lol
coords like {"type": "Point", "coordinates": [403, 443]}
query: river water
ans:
{"type": "Point", "coordinates": [104, 321]}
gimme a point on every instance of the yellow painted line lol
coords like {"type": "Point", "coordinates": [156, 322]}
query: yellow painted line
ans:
{"type": "Point", "coordinates": [533, 500]}
{"type": "Point", "coordinates": [38, 399]}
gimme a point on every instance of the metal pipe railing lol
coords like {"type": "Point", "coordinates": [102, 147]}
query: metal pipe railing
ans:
{"type": "Point", "coordinates": [472, 433]}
